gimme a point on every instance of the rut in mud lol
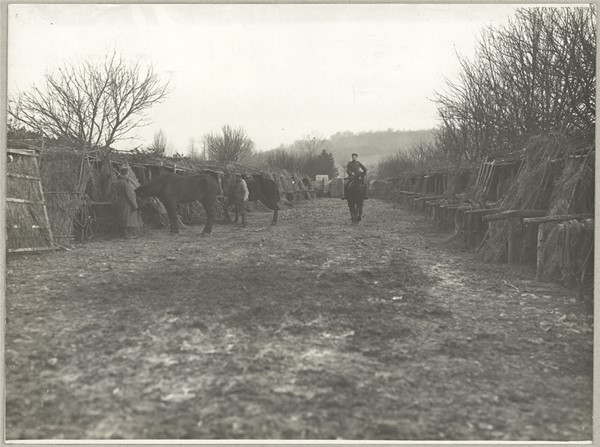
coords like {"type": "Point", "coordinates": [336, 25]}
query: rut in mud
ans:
{"type": "Point", "coordinates": [315, 328]}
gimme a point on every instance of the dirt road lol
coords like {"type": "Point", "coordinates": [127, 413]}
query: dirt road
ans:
{"type": "Point", "coordinates": [315, 328]}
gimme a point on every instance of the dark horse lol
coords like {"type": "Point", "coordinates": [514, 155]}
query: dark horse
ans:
{"type": "Point", "coordinates": [355, 194]}
{"type": "Point", "coordinates": [172, 189]}
{"type": "Point", "coordinates": [260, 188]}
{"type": "Point", "coordinates": [265, 190]}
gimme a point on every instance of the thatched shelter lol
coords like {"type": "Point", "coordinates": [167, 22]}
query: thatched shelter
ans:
{"type": "Point", "coordinates": [79, 195]}
{"type": "Point", "coordinates": [27, 224]}
{"type": "Point", "coordinates": [65, 174]}
{"type": "Point", "coordinates": [528, 196]}
{"type": "Point", "coordinates": [534, 206]}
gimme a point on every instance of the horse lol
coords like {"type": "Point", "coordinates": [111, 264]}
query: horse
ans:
{"type": "Point", "coordinates": [355, 194]}
{"type": "Point", "coordinates": [260, 188]}
{"type": "Point", "coordinates": [266, 190]}
{"type": "Point", "coordinates": [172, 189]}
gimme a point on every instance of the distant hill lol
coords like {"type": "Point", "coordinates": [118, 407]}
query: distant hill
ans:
{"type": "Point", "coordinates": [374, 145]}
{"type": "Point", "coordinates": [370, 146]}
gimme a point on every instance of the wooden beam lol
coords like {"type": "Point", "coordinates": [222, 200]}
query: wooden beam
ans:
{"type": "Point", "coordinates": [30, 250]}
{"type": "Point", "coordinates": [557, 218]}
{"type": "Point", "coordinates": [31, 202]}
{"type": "Point", "coordinates": [484, 211]}
{"type": "Point", "coordinates": [48, 228]}
{"type": "Point", "coordinates": [428, 198]}
{"type": "Point", "coordinates": [450, 206]}
{"type": "Point", "coordinates": [514, 213]}
{"type": "Point", "coordinates": [26, 152]}
{"type": "Point", "coordinates": [25, 176]}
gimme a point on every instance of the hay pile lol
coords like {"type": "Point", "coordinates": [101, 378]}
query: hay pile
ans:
{"type": "Point", "coordinates": [568, 251]}
{"type": "Point", "coordinates": [64, 177]}
{"type": "Point", "coordinates": [531, 190]}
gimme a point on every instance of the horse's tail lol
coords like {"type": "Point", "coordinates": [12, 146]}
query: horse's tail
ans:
{"type": "Point", "coordinates": [153, 188]}
{"type": "Point", "coordinates": [271, 191]}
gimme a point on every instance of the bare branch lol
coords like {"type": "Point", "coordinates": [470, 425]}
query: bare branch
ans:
{"type": "Point", "coordinates": [90, 104]}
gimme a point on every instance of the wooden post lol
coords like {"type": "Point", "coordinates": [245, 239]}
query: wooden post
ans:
{"type": "Point", "coordinates": [540, 252]}
{"type": "Point", "coordinates": [511, 255]}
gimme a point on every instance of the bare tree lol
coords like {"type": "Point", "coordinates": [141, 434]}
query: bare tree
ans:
{"type": "Point", "coordinates": [90, 105]}
{"type": "Point", "coordinates": [312, 145]}
{"type": "Point", "coordinates": [159, 143]}
{"type": "Point", "coordinates": [231, 145]}
{"type": "Point", "coordinates": [281, 159]}
{"type": "Point", "coordinates": [194, 150]}
{"type": "Point", "coordinates": [533, 76]}
{"type": "Point", "coordinates": [415, 157]}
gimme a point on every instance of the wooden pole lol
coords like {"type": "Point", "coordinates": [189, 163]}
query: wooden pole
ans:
{"type": "Point", "coordinates": [540, 253]}
{"type": "Point", "coordinates": [511, 255]}
{"type": "Point", "coordinates": [485, 211]}
{"type": "Point", "coordinates": [514, 213]}
{"type": "Point", "coordinates": [30, 250]}
{"type": "Point", "coordinates": [557, 218]}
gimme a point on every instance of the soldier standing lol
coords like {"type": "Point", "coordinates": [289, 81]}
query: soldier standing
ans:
{"type": "Point", "coordinates": [126, 203]}
{"type": "Point", "coordinates": [240, 197]}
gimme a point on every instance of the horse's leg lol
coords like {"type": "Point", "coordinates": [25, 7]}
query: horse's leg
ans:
{"type": "Point", "coordinates": [236, 209]}
{"type": "Point", "coordinates": [209, 208]}
{"type": "Point", "coordinates": [225, 210]}
{"type": "Point", "coordinates": [275, 209]}
{"type": "Point", "coordinates": [350, 207]}
{"type": "Point", "coordinates": [171, 208]}
{"type": "Point", "coordinates": [359, 211]}
{"type": "Point", "coordinates": [243, 214]}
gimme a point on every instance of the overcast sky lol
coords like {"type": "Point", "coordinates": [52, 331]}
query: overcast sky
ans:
{"type": "Point", "coordinates": [279, 70]}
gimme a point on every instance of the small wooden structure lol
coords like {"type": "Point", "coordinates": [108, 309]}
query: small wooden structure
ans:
{"type": "Point", "coordinates": [27, 225]}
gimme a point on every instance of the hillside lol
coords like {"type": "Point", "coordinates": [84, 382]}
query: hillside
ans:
{"type": "Point", "coordinates": [375, 144]}
{"type": "Point", "coordinates": [371, 146]}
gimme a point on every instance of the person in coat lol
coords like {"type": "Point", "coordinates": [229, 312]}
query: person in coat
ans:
{"type": "Point", "coordinates": [126, 203]}
{"type": "Point", "coordinates": [240, 197]}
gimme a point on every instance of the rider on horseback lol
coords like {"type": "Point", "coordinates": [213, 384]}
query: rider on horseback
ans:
{"type": "Point", "coordinates": [355, 169]}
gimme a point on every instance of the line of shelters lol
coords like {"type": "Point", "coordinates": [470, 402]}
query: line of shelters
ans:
{"type": "Point", "coordinates": [57, 195]}
{"type": "Point", "coordinates": [532, 207]}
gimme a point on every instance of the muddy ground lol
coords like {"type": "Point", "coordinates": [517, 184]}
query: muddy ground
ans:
{"type": "Point", "coordinates": [312, 329]}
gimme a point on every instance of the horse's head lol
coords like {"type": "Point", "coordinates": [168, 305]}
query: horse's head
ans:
{"type": "Point", "coordinates": [254, 191]}
{"type": "Point", "coordinates": [143, 191]}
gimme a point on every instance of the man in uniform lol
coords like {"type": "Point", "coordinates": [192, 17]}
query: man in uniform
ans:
{"type": "Point", "coordinates": [126, 203]}
{"type": "Point", "coordinates": [240, 197]}
{"type": "Point", "coordinates": [354, 169]}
